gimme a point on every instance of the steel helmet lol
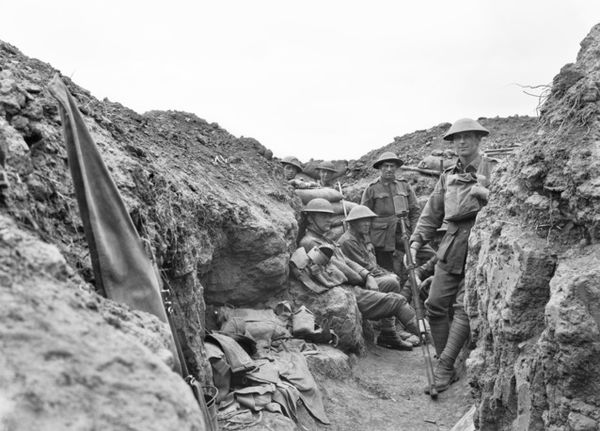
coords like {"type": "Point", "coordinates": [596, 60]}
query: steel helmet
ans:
{"type": "Point", "coordinates": [388, 156]}
{"type": "Point", "coordinates": [465, 125]}
{"type": "Point", "coordinates": [360, 212]}
{"type": "Point", "coordinates": [318, 205]}
{"type": "Point", "coordinates": [292, 161]}
{"type": "Point", "coordinates": [327, 166]}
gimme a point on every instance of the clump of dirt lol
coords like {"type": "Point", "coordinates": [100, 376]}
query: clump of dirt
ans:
{"type": "Point", "coordinates": [533, 270]}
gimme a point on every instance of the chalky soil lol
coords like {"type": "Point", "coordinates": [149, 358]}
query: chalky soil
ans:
{"type": "Point", "coordinates": [384, 391]}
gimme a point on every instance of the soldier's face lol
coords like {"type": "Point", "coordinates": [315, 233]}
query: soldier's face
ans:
{"type": "Point", "coordinates": [362, 226]}
{"type": "Point", "coordinates": [289, 172]}
{"type": "Point", "coordinates": [322, 221]}
{"type": "Point", "coordinates": [388, 170]}
{"type": "Point", "coordinates": [325, 176]}
{"type": "Point", "coordinates": [466, 144]}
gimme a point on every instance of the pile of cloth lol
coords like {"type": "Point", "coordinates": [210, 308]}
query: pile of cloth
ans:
{"type": "Point", "coordinates": [258, 365]}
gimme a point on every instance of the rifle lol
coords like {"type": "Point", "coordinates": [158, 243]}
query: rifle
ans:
{"type": "Point", "coordinates": [195, 386]}
{"type": "Point", "coordinates": [418, 306]}
{"type": "Point", "coordinates": [343, 206]}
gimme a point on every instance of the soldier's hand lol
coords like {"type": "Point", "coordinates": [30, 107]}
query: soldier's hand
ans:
{"type": "Point", "coordinates": [371, 283]}
{"type": "Point", "coordinates": [424, 288]}
{"type": "Point", "coordinates": [479, 192]}
{"type": "Point", "coordinates": [414, 248]}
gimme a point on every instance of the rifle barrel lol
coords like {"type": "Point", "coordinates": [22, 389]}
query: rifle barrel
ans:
{"type": "Point", "coordinates": [419, 310]}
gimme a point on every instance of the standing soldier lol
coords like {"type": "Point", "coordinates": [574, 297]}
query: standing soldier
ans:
{"type": "Point", "coordinates": [459, 194]}
{"type": "Point", "coordinates": [388, 197]}
{"type": "Point", "coordinates": [326, 173]}
{"type": "Point", "coordinates": [291, 168]}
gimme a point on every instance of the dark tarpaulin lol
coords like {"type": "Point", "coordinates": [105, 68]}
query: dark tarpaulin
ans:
{"type": "Point", "coordinates": [122, 269]}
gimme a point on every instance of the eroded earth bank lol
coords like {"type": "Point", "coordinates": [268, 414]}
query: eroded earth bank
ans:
{"type": "Point", "coordinates": [222, 224]}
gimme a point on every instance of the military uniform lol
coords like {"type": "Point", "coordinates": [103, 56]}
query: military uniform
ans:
{"type": "Point", "coordinates": [382, 199]}
{"type": "Point", "coordinates": [373, 305]}
{"type": "Point", "coordinates": [451, 201]}
{"type": "Point", "coordinates": [356, 249]}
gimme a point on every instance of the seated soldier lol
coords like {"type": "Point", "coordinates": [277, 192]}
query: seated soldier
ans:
{"type": "Point", "coordinates": [291, 168]}
{"type": "Point", "coordinates": [372, 303]}
{"type": "Point", "coordinates": [355, 246]}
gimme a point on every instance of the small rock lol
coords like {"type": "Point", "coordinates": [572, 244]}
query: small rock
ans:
{"type": "Point", "coordinates": [579, 422]}
{"type": "Point", "coordinates": [538, 201]}
{"type": "Point", "coordinates": [19, 122]}
{"type": "Point", "coordinates": [33, 88]}
{"type": "Point", "coordinates": [34, 110]}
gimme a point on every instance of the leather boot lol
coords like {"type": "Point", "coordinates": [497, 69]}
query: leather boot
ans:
{"type": "Point", "coordinates": [443, 376]}
{"type": "Point", "coordinates": [439, 333]}
{"type": "Point", "coordinates": [406, 335]}
{"type": "Point", "coordinates": [391, 340]}
{"type": "Point", "coordinates": [444, 373]}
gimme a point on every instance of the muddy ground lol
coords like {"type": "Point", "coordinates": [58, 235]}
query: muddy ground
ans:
{"type": "Point", "coordinates": [385, 392]}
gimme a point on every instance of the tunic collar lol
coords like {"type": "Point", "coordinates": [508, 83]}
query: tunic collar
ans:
{"type": "Point", "coordinates": [471, 167]}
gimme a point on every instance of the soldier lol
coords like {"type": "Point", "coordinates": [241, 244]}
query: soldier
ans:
{"type": "Point", "coordinates": [326, 172]}
{"type": "Point", "coordinates": [356, 245]}
{"type": "Point", "coordinates": [372, 303]}
{"type": "Point", "coordinates": [291, 168]}
{"type": "Point", "coordinates": [459, 194]}
{"type": "Point", "coordinates": [387, 197]}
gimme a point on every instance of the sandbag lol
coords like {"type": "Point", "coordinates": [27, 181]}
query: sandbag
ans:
{"type": "Point", "coordinates": [302, 176]}
{"type": "Point", "coordinates": [338, 208]}
{"type": "Point", "coordinates": [432, 162]}
{"type": "Point", "coordinates": [306, 195]}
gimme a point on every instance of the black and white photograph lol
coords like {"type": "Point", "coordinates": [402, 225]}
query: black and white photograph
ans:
{"type": "Point", "coordinates": [300, 216]}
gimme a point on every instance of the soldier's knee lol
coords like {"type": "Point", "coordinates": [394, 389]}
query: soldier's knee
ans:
{"type": "Point", "coordinates": [397, 298]}
{"type": "Point", "coordinates": [435, 310]}
{"type": "Point", "coordinates": [388, 283]}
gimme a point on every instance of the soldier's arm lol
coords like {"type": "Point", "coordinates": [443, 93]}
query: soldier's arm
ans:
{"type": "Point", "coordinates": [367, 198]}
{"type": "Point", "coordinates": [426, 270]}
{"type": "Point", "coordinates": [432, 216]}
{"type": "Point", "coordinates": [414, 209]}
{"type": "Point", "coordinates": [360, 273]}
{"type": "Point", "coordinates": [353, 252]}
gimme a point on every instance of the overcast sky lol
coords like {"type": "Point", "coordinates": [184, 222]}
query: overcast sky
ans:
{"type": "Point", "coordinates": [315, 79]}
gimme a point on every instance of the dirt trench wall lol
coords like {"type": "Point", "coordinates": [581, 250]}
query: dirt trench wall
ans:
{"type": "Point", "coordinates": [533, 280]}
{"type": "Point", "coordinates": [213, 206]}
{"type": "Point", "coordinates": [72, 360]}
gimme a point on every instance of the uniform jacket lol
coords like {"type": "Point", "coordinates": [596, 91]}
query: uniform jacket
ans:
{"type": "Point", "coordinates": [355, 273]}
{"type": "Point", "coordinates": [357, 249]}
{"type": "Point", "coordinates": [450, 199]}
{"type": "Point", "coordinates": [379, 197]}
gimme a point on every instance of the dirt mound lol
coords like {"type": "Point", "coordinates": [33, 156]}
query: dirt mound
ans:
{"type": "Point", "coordinates": [219, 218]}
{"type": "Point", "coordinates": [71, 360]}
{"type": "Point", "coordinates": [534, 274]}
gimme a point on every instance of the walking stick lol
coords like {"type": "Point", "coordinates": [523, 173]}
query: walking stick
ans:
{"type": "Point", "coordinates": [418, 308]}
{"type": "Point", "coordinates": [343, 206]}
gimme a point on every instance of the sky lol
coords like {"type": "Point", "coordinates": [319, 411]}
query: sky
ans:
{"type": "Point", "coordinates": [315, 79]}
